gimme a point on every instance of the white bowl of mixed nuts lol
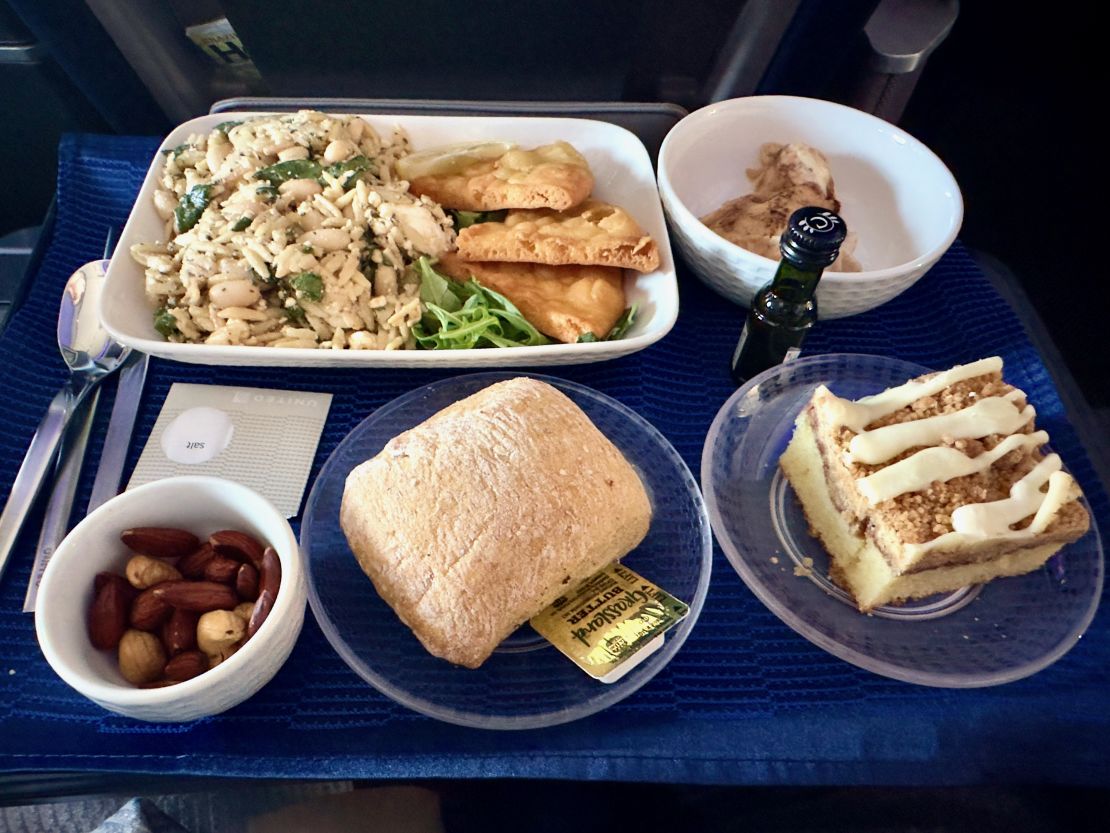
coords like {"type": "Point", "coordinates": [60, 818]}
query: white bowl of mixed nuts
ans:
{"type": "Point", "coordinates": [173, 601]}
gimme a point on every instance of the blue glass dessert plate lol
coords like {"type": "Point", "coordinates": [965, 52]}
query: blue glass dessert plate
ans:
{"type": "Point", "coordinates": [978, 636]}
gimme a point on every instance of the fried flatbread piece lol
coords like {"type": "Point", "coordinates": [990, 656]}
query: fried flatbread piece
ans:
{"type": "Point", "coordinates": [592, 234]}
{"type": "Point", "coordinates": [551, 176]}
{"type": "Point", "coordinates": [562, 302]}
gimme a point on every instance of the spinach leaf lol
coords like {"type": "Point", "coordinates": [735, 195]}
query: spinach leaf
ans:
{"type": "Point", "coordinates": [436, 289]}
{"type": "Point", "coordinates": [241, 223]}
{"type": "Point", "coordinates": [267, 192]}
{"type": "Point", "coordinates": [308, 284]}
{"type": "Point", "coordinates": [465, 219]}
{"type": "Point", "coordinates": [348, 172]}
{"type": "Point", "coordinates": [225, 126]}
{"type": "Point", "coordinates": [295, 314]}
{"type": "Point", "coordinates": [587, 338]}
{"type": "Point", "coordinates": [191, 206]}
{"type": "Point", "coordinates": [164, 322]}
{"type": "Point", "coordinates": [176, 151]}
{"type": "Point", "coordinates": [291, 169]}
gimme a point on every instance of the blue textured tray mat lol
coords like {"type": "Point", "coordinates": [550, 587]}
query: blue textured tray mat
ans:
{"type": "Point", "coordinates": [745, 701]}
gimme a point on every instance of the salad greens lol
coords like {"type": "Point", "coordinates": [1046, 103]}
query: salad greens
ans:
{"type": "Point", "coordinates": [459, 316]}
{"type": "Point", "coordinates": [627, 319]}
{"type": "Point", "coordinates": [465, 219]}
{"type": "Point", "coordinates": [241, 223]}
{"type": "Point", "coordinates": [191, 206]}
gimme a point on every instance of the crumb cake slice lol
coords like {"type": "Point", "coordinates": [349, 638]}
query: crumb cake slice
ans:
{"type": "Point", "coordinates": [930, 486]}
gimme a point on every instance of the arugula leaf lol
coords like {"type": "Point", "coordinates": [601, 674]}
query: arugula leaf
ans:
{"type": "Point", "coordinates": [622, 326]}
{"type": "Point", "coordinates": [348, 172]}
{"type": "Point", "coordinates": [191, 206]}
{"type": "Point", "coordinates": [465, 219]}
{"type": "Point", "coordinates": [241, 223]}
{"type": "Point", "coordinates": [225, 126]}
{"type": "Point", "coordinates": [281, 172]}
{"type": "Point", "coordinates": [308, 284]}
{"type": "Point", "coordinates": [460, 316]}
{"type": "Point", "coordinates": [164, 322]}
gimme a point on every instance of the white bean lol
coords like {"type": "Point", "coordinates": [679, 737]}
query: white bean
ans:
{"type": "Point", "coordinates": [234, 294]}
{"type": "Point", "coordinates": [295, 152]}
{"type": "Point", "coordinates": [164, 203]}
{"type": "Point", "coordinates": [361, 340]}
{"type": "Point", "coordinates": [385, 280]}
{"type": "Point", "coordinates": [338, 150]}
{"type": "Point", "coordinates": [299, 189]}
{"type": "Point", "coordinates": [325, 239]}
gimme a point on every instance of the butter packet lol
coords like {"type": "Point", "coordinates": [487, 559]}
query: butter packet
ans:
{"type": "Point", "coordinates": [611, 622]}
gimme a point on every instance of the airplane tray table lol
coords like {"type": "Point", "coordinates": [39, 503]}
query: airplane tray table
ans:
{"type": "Point", "coordinates": [745, 701]}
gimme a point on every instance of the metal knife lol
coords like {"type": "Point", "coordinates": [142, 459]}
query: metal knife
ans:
{"type": "Point", "coordinates": [55, 521]}
{"type": "Point", "coordinates": [121, 425]}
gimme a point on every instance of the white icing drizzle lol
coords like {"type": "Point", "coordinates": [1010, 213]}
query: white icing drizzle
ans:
{"type": "Point", "coordinates": [992, 415]}
{"type": "Point", "coordinates": [860, 413]}
{"type": "Point", "coordinates": [931, 464]}
{"type": "Point", "coordinates": [978, 521]}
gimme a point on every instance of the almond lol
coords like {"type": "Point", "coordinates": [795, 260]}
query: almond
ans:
{"type": "Point", "coordinates": [101, 579]}
{"type": "Point", "coordinates": [269, 574]}
{"type": "Point", "coordinates": [179, 634]}
{"type": "Point", "coordinates": [186, 666]}
{"type": "Point", "coordinates": [108, 614]}
{"type": "Point", "coordinates": [160, 541]}
{"type": "Point", "coordinates": [246, 582]}
{"type": "Point", "coordinates": [238, 545]}
{"type": "Point", "coordinates": [262, 609]}
{"type": "Point", "coordinates": [148, 612]}
{"type": "Point", "coordinates": [222, 569]}
{"type": "Point", "coordinates": [192, 565]}
{"type": "Point", "coordinates": [197, 596]}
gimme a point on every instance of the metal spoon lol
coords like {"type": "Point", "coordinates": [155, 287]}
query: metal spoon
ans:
{"type": "Point", "coordinates": [91, 355]}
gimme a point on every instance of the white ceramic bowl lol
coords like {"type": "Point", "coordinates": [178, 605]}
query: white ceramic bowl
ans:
{"type": "Point", "coordinates": [895, 194]}
{"type": "Point", "coordinates": [202, 505]}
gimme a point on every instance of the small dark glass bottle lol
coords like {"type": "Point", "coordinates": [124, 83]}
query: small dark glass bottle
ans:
{"type": "Point", "coordinates": [782, 312]}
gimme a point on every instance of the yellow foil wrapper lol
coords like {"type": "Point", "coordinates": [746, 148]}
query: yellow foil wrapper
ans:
{"type": "Point", "coordinates": [611, 622]}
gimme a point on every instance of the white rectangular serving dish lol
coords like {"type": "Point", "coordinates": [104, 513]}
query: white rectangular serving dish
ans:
{"type": "Point", "coordinates": [623, 176]}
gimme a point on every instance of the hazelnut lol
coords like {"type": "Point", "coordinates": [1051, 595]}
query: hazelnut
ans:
{"type": "Point", "coordinates": [141, 657]}
{"type": "Point", "coordinates": [144, 571]}
{"type": "Point", "coordinates": [219, 633]}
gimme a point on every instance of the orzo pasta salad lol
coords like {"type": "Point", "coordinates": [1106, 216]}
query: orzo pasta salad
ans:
{"type": "Point", "coordinates": [290, 231]}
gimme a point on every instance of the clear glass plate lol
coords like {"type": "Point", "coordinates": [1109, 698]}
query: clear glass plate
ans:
{"type": "Point", "coordinates": [978, 636]}
{"type": "Point", "coordinates": [526, 683]}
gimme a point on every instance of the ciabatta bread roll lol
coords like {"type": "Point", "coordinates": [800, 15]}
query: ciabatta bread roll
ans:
{"type": "Point", "coordinates": [481, 516]}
